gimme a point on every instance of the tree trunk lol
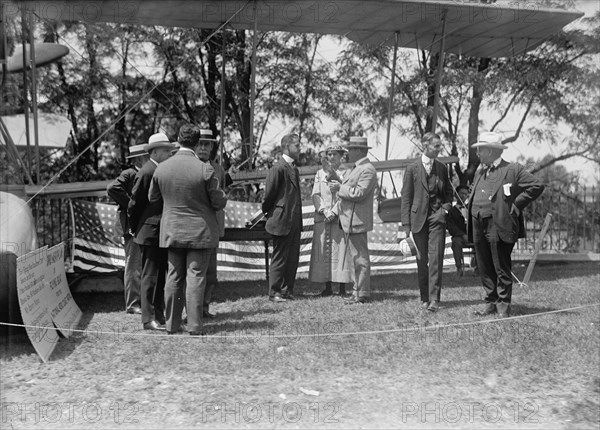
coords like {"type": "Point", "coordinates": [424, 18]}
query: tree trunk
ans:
{"type": "Point", "coordinates": [478, 93]}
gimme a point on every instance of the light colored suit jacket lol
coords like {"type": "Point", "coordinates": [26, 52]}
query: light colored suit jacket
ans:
{"type": "Point", "coordinates": [191, 197]}
{"type": "Point", "coordinates": [355, 207]}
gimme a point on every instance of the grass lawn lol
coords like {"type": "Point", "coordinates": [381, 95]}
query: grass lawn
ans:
{"type": "Point", "coordinates": [536, 372]}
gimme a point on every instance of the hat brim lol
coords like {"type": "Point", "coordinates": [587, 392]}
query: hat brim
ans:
{"type": "Point", "coordinates": [154, 145]}
{"type": "Point", "coordinates": [351, 145]}
{"type": "Point", "coordinates": [139, 154]}
{"type": "Point", "coordinates": [489, 145]}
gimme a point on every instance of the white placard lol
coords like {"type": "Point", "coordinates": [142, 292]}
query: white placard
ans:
{"type": "Point", "coordinates": [63, 310]}
{"type": "Point", "coordinates": [34, 298]}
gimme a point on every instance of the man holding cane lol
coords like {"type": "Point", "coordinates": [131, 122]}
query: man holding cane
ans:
{"type": "Point", "coordinates": [355, 212]}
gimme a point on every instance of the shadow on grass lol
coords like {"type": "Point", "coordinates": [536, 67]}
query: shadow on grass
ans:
{"type": "Point", "coordinates": [18, 344]}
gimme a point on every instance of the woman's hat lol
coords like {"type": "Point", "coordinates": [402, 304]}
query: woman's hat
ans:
{"type": "Point", "coordinates": [339, 148]}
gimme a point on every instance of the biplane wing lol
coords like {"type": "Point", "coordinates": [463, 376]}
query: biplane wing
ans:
{"type": "Point", "coordinates": [477, 29]}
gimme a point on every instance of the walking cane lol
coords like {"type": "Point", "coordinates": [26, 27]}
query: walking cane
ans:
{"type": "Point", "coordinates": [348, 234]}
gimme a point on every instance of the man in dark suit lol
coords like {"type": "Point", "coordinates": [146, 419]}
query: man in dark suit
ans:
{"type": "Point", "coordinates": [120, 191]}
{"type": "Point", "coordinates": [282, 205]}
{"type": "Point", "coordinates": [456, 221]}
{"type": "Point", "coordinates": [501, 191]}
{"type": "Point", "coordinates": [426, 199]}
{"type": "Point", "coordinates": [207, 152]}
{"type": "Point", "coordinates": [144, 219]}
{"type": "Point", "coordinates": [191, 196]}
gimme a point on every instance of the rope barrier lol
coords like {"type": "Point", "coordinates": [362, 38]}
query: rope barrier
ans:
{"type": "Point", "coordinates": [232, 336]}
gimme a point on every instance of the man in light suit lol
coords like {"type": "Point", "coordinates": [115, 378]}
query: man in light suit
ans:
{"type": "Point", "coordinates": [355, 211]}
{"type": "Point", "coordinates": [425, 200]}
{"type": "Point", "coordinates": [144, 219]}
{"type": "Point", "coordinates": [501, 191]}
{"type": "Point", "coordinates": [190, 194]}
{"type": "Point", "coordinates": [120, 191]}
{"type": "Point", "coordinates": [282, 205]}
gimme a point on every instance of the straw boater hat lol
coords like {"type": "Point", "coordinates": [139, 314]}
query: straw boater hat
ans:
{"type": "Point", "coordinates": [358, 142]}
{"type": "Point", "coordinates": [136, 151]}
{"type": "Point", "coordinates": [158, 140]}
{"type": "Point", "coordinates": [490, 139]}
{"type": "Point", "coordinates": [206, 134]}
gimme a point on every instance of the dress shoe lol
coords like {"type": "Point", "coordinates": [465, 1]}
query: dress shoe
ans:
{"type": "Point", "coordinates": [424, 305]}
{"type": "Point", "coordinates": [182, 328]}
{"type": "Point", "coordinates": [208, 315]}
{"type": "Point", "coordinates": [154, 325]}
{"type": "Point", "coordinates": [277, 299]}
{"type": "Point", "coordinates": [503, 310]}
{"type": "Point", "coordinates": [134, 310]}
{"type": "Point", "coordinates": [197, 333]}
{"type": "Point", "coordinates": [288, 297]}
{"type": "Point", "coordinates": [161, 320]}
{"type": "Point", "coordinates": [326, 293]}
{"type": "Point", "coordinates": [433, 306]}
{"type": "Point", "coordinates": [358, 301]}
{"type": "Point", "coordinates": [489, 309]}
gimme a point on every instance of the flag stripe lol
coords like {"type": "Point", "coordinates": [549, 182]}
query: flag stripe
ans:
{"type": "Point", "coordinates": [97, 246]}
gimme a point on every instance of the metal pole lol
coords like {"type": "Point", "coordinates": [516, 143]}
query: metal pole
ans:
{"type": "Point", "coordinates": [439, 73]}
{"type": "Point", "coordinates": [222, 96]}
{"type": "Point", "coordinates": [25, 96]}
{"type": "Point", "coordinates": [34, 97]}
{"type": "Point", "coordinates": [253, 85]}
{"type": "Point", "coordinates": [391, 101]}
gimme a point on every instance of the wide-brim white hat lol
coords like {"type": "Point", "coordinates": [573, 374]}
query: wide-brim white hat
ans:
{"type": "Point", "coordinates": [158, 140]}
{"type": "Point", "coordinates": [490, 139]}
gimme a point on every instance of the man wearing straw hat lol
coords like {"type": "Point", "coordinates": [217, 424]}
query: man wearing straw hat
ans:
{"type": "Point", "coordinates": [425, 200]}
{"type": "Point", "coordinates": [207, 151]}
{"type": "Point", "coordinates": [144, 218]}
{"type": "Point", "coordinates": [501, 191]}
{"type": "Point", "coordinates": [355, 211]}
{"type": "Point", "coordinates": [120, 191]}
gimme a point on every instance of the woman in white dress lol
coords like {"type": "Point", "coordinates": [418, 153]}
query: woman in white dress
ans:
{"type": "Point", "coordinates": [325, 260]}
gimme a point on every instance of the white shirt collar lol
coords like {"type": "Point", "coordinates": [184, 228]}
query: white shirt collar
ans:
{"type": "Point", "coordinates": [425, 159]}
{"type": "Point", "coordinates": [154, 161]}
{"type": "Point", "coordinates": [497, 162]}
{"type": "Point", "coordinates": [288, 159]}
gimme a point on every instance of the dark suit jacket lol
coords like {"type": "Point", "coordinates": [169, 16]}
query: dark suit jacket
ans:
{"type": "Point", "coordinates": [192, 196]}
{"type": "Point", "coordinates": [455, 222]}
{"type": "Point", "coordinates": [144, 217]}
{"type": "Point", "coordinates": [120, 191]}
{"type": "Point", "coordinates": [414, 204]}
{"type": "Point", "coordinates": [506, 209]}
{"type": "Point", "coordinates": [282, 202]}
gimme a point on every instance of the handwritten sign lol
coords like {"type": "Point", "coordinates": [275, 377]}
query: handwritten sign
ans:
{"type": "Point", "coordinates": [34, 298]}
{"type": "Point", "coordinates": [63, 310]}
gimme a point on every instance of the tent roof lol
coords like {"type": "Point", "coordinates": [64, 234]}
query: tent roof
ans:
{"type": "Point", "coordinates": [474, 29]}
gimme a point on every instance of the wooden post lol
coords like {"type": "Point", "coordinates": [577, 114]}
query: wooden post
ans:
{"type": "Point", "coordinates": [538, 246]}
{"type": "Point", "coordinates": [253, 85]}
